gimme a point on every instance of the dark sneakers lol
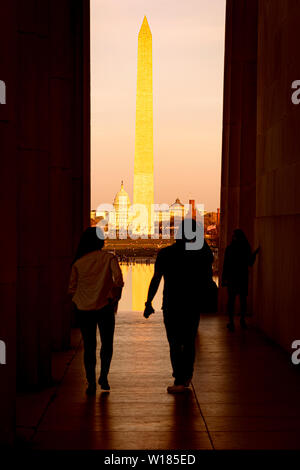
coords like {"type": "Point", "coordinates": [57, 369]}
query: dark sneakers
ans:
{"type": "Point", "coordinates": [176, 389]}
{"type": "Point", "coordinates": [91, 389]}
{"type": "Point", "coordinates": [231, 326]}
{"type": "Point", "coordinates": [103, 382]}
{"type": "Point", "coordinates": [179, 386]}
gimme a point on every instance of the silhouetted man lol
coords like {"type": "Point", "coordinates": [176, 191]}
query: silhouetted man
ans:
{"type": "Point", "coordinates": [187, 277]}
{"type": "Point", "coordinates": [238, 257]}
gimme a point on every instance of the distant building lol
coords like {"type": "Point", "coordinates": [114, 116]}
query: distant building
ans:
{"type": "Point", "coordinates": [96, 216]}
{"type": "Point", "coordinates": [166, 219]}
{"type": "Point", "coordinates": [177, 210]}
{"type": "Point", "coordinates": [121, 206]}
{"type": "Point", "coordinates": [212, 227]}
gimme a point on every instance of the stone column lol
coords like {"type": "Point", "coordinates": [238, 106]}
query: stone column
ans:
{"type": "Point", "coordinates": [278, 173]}
{"type": "Point", "coordinates": [8, 201]}
{"type": "Point", "coordinates": [45, 183]}
{"type": "Point", "coordinates": [239, 125]}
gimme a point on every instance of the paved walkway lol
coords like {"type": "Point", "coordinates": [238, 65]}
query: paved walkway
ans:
{"type": "Point", "coordinates": [245, 395]}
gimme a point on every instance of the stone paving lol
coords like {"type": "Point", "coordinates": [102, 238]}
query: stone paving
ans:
{"type": "Point", "coordinates": [245, 395]}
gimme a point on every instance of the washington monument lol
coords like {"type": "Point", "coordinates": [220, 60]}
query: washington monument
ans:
{"type": "Point", "coordinates": [143, 192]}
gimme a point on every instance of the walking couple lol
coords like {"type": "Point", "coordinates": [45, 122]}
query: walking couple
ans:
{"type": "Point", "coordinates": [96, 284]}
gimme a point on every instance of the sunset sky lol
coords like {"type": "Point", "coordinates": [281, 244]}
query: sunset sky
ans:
{"type": "Point", "coordinates": [188, 58]}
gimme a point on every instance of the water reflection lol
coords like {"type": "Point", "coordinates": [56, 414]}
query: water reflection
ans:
{"type": "Point", "coordinates": [141, 277]}
{"type": "Point", "coordinates": [137, 276]}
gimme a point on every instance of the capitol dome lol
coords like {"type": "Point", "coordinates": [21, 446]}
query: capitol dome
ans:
{"type": "Point", "coordinates": [121, 206]}
{"type": "Point", "coordinates": [177, 209]}
{"type": "Point", "coordinates": [177, 204]}
{"type": "Point", "coordinates": [121, 201]}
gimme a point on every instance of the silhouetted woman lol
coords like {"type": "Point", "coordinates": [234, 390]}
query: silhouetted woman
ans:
{"type": "Point", "coordinates": [238, 258]}
{"type": "Point", "coordinates": [96, 284]}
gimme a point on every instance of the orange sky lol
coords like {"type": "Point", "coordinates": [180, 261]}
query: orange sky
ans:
{"type": "Point", "coordinates": [188, 56]}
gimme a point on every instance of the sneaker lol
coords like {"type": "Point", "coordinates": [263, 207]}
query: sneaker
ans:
{"type": "Point", "coordinates": [91, 389]}
{"type": "Point", "coordinates": [243, 324]}
{"type": "Point", "coordinates": [104, 384]}
{"type": "Point", "coordinates": [176, 389]}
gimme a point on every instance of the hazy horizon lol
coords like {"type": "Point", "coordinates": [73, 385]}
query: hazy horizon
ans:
{"type": "Point", "coordinates": [188, 61]}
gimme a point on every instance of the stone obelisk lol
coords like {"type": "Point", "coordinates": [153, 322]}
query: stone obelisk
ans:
{"type": "Point", "coordinates": [143, 191]}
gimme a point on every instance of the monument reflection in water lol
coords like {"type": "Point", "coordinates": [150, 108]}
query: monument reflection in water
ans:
{"type": "Point", "coordinates": [137, 277]}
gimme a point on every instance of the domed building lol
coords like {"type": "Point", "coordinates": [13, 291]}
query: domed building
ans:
{"type": "Point", "coordinates": [121, 206]}
{"type": "Point", "coordinates": [177, 210]}
{"type": "Point", "coordinates": [177, 214]}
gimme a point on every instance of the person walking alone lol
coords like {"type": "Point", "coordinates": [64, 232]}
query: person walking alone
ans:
{"type": "Point", "coordinates": [237, 260]}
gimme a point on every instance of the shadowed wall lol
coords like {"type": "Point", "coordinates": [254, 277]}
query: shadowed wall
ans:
{"type": "Point", "coordinates": [238, 187]}
{"type": "Point", "coordinates": [261, 156]}
{"type": "Point", "coordinates": [45, 182]}
{"type": "Point", "coordinates": [44, 178]}
{"type": "Point", "coordinates": [277, 224]}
